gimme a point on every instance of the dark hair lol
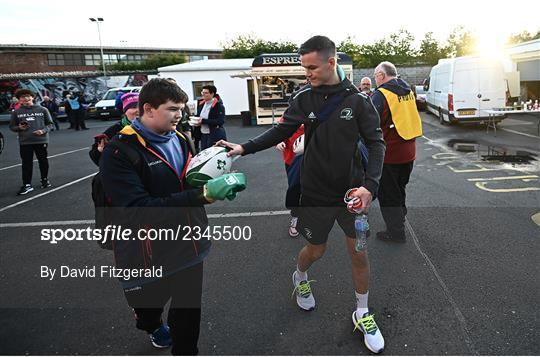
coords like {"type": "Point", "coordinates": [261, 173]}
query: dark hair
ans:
{"type": "Point", "coordinates": [320, 44]}
{"type": "Point", "coordinates": [158, 91]}
{"type": "Point", "coordinates": [22, 92]}
{"type": "Point", "coordinates": [212, 89]}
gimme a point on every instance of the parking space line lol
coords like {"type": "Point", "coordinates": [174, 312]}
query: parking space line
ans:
{"type": "Point", "coordinates": [446, 291]}
{"type": "Point", "coordinates": [91, 221]}
{"type": "Point", "coordinates": [504, 178]}
{"type": "Point", "coordinates": [48, 157]}
{"type": "Point", "coordinates": [47, 224]}
{"type": "Point", "coordinates": [46, 192]}
{"type": "Point", "coordinates": [520, 133]}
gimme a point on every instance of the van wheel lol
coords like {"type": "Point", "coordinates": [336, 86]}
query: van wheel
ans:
{"type": "Point", "coordinates": [441, 118]}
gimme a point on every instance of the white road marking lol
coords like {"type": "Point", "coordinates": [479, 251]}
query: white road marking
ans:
{"type": "Point", "coordinates": [48, 157]}
{"type": "Point", "coordinates": [520, 133]}
{"type": "Point", "coordinates": [504, 178]}
{"type": "Point", "coordinates": [91, 221]}
{"type": "Point", "coordinates": [446, 291]}
{"type": "Point", "coordinates": [536, 218]}
{"type": "Point", "coordinates": [47, 224]}
{"type": "Point", "coordinates": [46, 192]}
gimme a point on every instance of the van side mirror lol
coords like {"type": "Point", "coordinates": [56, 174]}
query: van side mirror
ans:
{"type": "Point", "coordinates": [426, 84]}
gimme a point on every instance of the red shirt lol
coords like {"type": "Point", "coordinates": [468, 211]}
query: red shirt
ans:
{"type": "Point", "coordinates": [288, 153]}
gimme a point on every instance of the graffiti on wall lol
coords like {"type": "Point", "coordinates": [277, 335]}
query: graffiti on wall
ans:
{"type": "Point", "coordinates": [92, 88]}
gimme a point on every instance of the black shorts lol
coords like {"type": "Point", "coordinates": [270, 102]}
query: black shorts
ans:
{"type": "Point", "coordinates": [316, 219]}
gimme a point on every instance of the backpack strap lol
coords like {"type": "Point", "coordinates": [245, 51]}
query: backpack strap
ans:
{"type": "Point", "coordinates": [330, 106]}
{"type": "Point", "coordinates": [133, 156]}
{"type": "Point", "coordinates": [324, 113]}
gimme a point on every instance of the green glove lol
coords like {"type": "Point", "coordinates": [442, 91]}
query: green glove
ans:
{"type": "Point", "coordinates": [225, 187]}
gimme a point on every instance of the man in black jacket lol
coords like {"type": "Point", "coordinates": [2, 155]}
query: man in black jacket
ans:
{"type": "Point", "coordinates": [335, 116]}
{"type": "Point", "coordinates": [52, 107]}
{"type": "Point", "coordinates": [143, 174]}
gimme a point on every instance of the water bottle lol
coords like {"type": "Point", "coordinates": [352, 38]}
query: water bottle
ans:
{"type": "Point", "coordinates": [361, 226]}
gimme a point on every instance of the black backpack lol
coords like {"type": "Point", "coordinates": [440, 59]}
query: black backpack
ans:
{"type": "Point", "coordinates": [101, 203]}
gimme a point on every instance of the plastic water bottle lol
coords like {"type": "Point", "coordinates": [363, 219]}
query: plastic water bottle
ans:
{"type": "Point", "coordinates": [361, 226]}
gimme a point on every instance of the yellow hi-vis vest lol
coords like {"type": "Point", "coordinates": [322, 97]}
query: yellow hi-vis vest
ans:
{"type": "Point", "coordinates": [404, 114]}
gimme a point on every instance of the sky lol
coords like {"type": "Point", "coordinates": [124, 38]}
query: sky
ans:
{"type": "Point", "coordinates": [209, 24]}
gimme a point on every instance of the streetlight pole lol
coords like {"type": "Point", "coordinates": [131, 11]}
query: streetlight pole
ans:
{"type": "Point", "coordinates": [97, 20]}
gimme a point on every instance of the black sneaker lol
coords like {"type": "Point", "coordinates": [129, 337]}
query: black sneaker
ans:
{"type": "Point", "coordinates": [45, 183]}
{"type": "Point", "coordinates": [387, 237]}
{"type": "Point", "coordinates": [25, 189]}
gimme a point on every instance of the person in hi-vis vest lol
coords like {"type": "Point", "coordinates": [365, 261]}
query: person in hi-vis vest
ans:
{"type": "Point", "coordinates": [401, 124]}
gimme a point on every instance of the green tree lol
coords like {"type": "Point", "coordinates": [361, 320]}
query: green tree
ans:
{"type": "Point", "coordinates": [524, 36]}
{"type": "Point", "coordinates": [352, 49]}
{"type": "Point", "coordinates": [431, 50]}
{"type": "Point", "coordinates": [397, 48]}
{"type": "Point", "coordinates": [152, 62]}
{"type": "Point", "coordinates": [402, 48]}
{"type": "Point", "coordinates": [247, 46]}
{"type": "Point", "coordinates": [461, 42]}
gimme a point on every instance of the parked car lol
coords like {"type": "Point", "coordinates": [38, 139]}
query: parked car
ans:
{"type": "Point", "coordinates": [106, 107]}
{"type": "Point", "coordinates": [461, 89]}
{"type": "Point", "coordinates": [420, 95]}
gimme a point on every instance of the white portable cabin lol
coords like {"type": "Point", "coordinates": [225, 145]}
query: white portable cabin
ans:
{"type": "Point", "coordinates": [461, 89]}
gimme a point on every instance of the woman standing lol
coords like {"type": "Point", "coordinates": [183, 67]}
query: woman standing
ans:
{"type": "Point", "coordinates": [212, 113]}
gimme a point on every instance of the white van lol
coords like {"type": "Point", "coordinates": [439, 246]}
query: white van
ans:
{"type": "Point", "coordinates": [105, 108]}
{"type": "Point", "coordinates": [460, 90]}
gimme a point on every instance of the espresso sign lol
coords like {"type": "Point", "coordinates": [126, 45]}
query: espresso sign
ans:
{"type": "Point", "coordinates": [284, 59]}
{"type": "Point", "coordinates": [289, 59]}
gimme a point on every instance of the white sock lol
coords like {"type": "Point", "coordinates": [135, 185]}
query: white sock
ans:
{"type": "Point", "coordinates": [300, 275]}
{"type": "Point", "coordinates": [361, 304]}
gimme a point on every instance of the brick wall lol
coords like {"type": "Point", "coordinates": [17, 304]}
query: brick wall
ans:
{"type": "Point", "coordinates": [412, 75]}
{"type": "Point", "coordinates": [33, 62]}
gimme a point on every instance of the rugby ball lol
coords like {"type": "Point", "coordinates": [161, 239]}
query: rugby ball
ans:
{"type": "Point", "coordinates": [208, 164]}
{"type": "Point", "coordinates": [298, 145]}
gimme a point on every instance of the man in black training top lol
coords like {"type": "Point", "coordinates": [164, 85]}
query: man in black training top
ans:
{"type": "Point", "coordinates": [335, 116]}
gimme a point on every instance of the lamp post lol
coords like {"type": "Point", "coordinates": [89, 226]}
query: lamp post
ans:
{"type": "Point", "coordinates": [97, 20]}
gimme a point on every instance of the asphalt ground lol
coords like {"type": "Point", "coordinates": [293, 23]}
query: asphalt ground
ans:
{"type": "Point", "coordinates": [466, 282]}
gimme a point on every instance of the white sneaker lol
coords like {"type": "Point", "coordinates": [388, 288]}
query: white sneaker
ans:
{"type": "Point", "coordinates": [373, 338]}
{"type": "Point", "coordinates": [304, 297]}
{"type": "Point", "coordinates": [293, 232]}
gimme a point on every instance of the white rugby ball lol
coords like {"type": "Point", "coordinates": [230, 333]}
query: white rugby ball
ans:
{"type": "Point", "coordinates": [208, 164]}
{"type": "Point", "coordinates": [298, 145]}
